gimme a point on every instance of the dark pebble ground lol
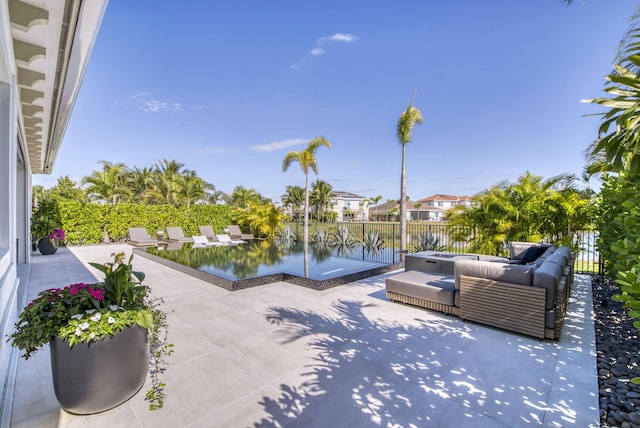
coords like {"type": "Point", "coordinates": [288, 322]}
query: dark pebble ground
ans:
{"type": "Point", "coordinates": [617, 345]}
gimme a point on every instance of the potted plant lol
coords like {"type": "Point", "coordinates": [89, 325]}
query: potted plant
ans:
{"type": "Point", "coordinates": [45, 230]}
{"type": "Point", "coordinates": [102, 336]}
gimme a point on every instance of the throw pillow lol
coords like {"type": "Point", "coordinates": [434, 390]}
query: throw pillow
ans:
{"type": "Point", "coordinates": [533, 253]}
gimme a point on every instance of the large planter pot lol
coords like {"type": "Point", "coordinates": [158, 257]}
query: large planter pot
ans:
{"type": "Point", "coordinates": [46, 247]}
{"type": "Point", "coordinates": [94, 377]}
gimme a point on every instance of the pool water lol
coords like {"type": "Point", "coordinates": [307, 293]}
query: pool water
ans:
{"type": "Point", "coordinates": [265, 259]}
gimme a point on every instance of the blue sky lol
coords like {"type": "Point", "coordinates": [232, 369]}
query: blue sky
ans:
{"type": "Point", "coordinates": [228, 88]}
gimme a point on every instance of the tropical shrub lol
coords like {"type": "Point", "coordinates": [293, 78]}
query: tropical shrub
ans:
{"type": "Point", "coordinates": [428, 242]}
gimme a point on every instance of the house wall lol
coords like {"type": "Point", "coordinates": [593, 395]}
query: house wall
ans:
{"type": "Point", "coordinates": [360, 213]}
{"type": "Point", "coordinates": [10, 233]}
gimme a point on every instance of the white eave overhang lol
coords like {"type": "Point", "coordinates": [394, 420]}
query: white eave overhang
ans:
{"type": "Point", "coordinates": [52, 42]}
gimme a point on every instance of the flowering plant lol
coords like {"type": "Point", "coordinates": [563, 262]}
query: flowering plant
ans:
{"type": "Point", "coordinates": [57, 235]}
{"type": "Point", "coordinates": [82, 313]}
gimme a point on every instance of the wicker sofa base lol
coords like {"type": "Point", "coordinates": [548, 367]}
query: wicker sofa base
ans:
{"type": "Point", "coordinates": [518, 308]}
{"type": "Point", "coordinates": [414, 301]}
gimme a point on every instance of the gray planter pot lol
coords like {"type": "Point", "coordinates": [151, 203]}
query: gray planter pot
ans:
{"type": "Point", "coordinates": [94, 377]}
{"type": "Point", "coordinates": [46, 247]}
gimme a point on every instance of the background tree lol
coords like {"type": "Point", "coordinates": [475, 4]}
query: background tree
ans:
{"type": "Point", "coordinates": [374, 201]}
{"type": "Point", "coordinates": [532, 209]}
{"type": "Point", "coordinates": [404, 129]}
{"type": "Point", "coordinates": [307, 160]}
{"type": "Point", "coordinates": [320, 198]}
{"type": "Point", "coordinates": [242, 197]}
{"type": "Point", "coordinates": [67, 190]}
{"type": "Point", "coordinates": [417, 206]}
{"type": "Point", "coordinates": [108, 185]}
{"type": "Point", "coordinates": [293, 199]}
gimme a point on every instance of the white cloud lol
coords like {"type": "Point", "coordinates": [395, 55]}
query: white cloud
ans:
{"type": "Point", "coordinates": [279, 145]}
{"type": "Point", "coordinates": [307, 60]}
{"type": "Point", "coordinates": [148, 104]}
{"type": "Point", "coordinates": [339, 37]}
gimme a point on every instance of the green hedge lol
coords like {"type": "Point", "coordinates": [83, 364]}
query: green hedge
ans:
{"type": "Point", "coordinates": [87, 223]}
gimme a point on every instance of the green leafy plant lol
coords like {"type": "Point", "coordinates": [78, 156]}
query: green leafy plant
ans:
{"type": "Point", "coordinates": [46, 222]}
{"type": "Point", "coordinates": [343, 238]}
{"type": "Point", "coordinates": [320, 237]}
{"type": "Point", "coordinates": [428, 242]}
{"type": "Point", "coordinates": [373, 240]}
{"type": "Point", "coordinates": [83, 313]}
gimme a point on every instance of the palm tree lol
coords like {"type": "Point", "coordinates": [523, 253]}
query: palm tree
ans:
{"type": "Point", "coordinates": [417, 206]}
{"type": "Point", "coordinates": [293, 198]}
{"type": "Point", "coordinates": [191, 188]}
{"type": "Point", "coordinates": [307, 159]}
{"type": "Point", "coordinates": [109, 184]}
{"type": "Point", "coordinates": [139, 181]}
{"type": "Point", "coordinates": [374, 200]}
{"type": "Point", "coordinates": [320, 197]}
{"type": "Point", "coordinates": [242, 197]}
{"type": "Point", "coordinates": [406, 122]}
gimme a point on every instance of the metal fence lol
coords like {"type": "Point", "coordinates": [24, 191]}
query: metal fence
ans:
{"type": "Point", "coordinates": [587, 257]}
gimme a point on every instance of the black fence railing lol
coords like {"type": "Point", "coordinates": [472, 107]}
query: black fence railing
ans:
{"type": "Point", "coordinates": [587, 258]}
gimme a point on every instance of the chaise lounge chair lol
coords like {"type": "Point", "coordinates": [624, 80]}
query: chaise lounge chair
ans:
{"type": "Point", "coordinates": [139, 237]}
{"type": "Point", "coordinates": [208, 232]}
{"type": "Point", "coordinates": [236, 233]}
{"type": "Point", "coordinates": [225, 239]}
{"type": "Point", "coordinates": [175, 234]}
{"type": "Point", "coordinates": [202, 241]}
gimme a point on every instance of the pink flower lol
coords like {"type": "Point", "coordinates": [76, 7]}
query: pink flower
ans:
{"type": "Point", "coordinates": [96, 294]}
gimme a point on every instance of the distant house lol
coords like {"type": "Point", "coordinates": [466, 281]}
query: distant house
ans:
{"type": "Point", "coordinates": [433, 207]}
{"type": "Point", "coordinates": [390, 211]}
{"type": "Point", "coordinates": [349, 207]}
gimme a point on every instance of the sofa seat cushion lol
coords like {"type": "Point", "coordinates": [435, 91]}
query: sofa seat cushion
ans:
{"type": "Point", "coordinates": [431, 286]}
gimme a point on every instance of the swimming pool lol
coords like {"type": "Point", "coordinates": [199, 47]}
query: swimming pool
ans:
{"type": "Point", "coordinates": [261, 262]}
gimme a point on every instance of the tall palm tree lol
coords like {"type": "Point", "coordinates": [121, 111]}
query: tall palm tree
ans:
{"type": "Point", "coordinates": [320, 198]}
{"type": "Point", "coordinates": [404, 129]}
{"type": "Point", "coordinates": [307, 159]}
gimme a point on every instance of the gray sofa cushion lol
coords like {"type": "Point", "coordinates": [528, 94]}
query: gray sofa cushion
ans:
{"type": "Point", "coordinates": [548, 276]}
{"type": "Point", "coordinates": [431, 286]}
{"type": "Point", "coordinates": [504, 272]}
{"type": "Point", "coordinates": [557, 258]}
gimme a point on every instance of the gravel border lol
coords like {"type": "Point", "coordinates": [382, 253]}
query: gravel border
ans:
{"type": "Point", "coordinates": [617, 345]}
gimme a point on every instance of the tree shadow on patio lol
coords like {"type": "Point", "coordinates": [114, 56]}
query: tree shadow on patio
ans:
{"type": "Point", "coordinates": [406, 373]}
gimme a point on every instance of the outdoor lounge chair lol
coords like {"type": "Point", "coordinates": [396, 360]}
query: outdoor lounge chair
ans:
{"type": "Point", "coordinates": [225, 239]}
{"type": "Point", "coordinates": [202, 241]}
{"type": "Point", "coordinates": [236, 233]}
{"type": "Point", "coordinates": [175, 234]}
{"type": "Point", "coordinates": [208, 232]}
{"type": "Point", "coordinates": [139, 237]}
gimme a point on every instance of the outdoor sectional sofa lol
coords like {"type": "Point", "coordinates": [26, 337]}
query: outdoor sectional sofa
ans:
{"type": "Point", "coordinates": [519, 294]}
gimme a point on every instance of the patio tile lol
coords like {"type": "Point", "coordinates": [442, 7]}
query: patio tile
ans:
{"type": "Point", "coordinates": [284, 355]}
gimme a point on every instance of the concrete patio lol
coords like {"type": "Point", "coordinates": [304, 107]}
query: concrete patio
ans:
{"type": "Point", "coordinates": [283, 355]}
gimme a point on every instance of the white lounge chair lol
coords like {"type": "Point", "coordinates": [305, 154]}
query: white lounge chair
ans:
{"type": "Point", "coordinates": [202, 241]}
{"type": "Point", "coordinates": [236, 233]}
{"type": "Point", "coordinates": [225, 239]}
{"type": "Point", "coordinates": [175, 234]}
{"type": "Point", "coordinates": [139, 237]}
